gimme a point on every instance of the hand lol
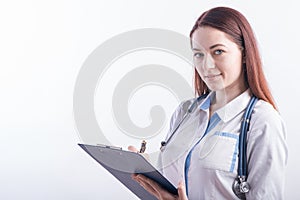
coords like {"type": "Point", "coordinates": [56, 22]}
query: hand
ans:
{"type": "Point", "coordinates": [134, 149]}
{"type": "Point", "coordinates": [155, 189]}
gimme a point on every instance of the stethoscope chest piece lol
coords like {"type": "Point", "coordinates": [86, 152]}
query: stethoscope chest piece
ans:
{"type": "Point", "coordinates": [240, 187]}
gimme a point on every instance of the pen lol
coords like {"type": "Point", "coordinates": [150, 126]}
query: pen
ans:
{"type": "Point", "coordinates": [143, 146]}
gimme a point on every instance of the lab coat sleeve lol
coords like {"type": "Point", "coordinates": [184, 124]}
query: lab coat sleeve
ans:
{"type": "Point", "coordinates": [267, 156]}
{"type": "Point", "coordinates": [175, 118]}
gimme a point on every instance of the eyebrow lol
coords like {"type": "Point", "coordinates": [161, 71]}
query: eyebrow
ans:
{"type": "Point", "coordinates": [211, 47]}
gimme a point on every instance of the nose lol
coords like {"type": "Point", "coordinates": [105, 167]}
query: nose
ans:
{"type": "Point", "coordinates": [209, 62]}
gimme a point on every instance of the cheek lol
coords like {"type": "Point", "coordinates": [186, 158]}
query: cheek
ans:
{"type": "Point", "coordinates": [234, 74]}
{"type": "Point", "coordinates": [232, 66]}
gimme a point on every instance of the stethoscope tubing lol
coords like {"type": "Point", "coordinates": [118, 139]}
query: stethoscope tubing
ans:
{"type": "Point", "coordinates": [242, 164]}
{"type": "Point", "coordinates": [189, 111]}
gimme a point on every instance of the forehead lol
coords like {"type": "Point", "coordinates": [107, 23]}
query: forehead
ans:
{"type": "Point", "coordinates": [205, 37]}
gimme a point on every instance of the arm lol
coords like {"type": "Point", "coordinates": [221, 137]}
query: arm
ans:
{"type": "Point", "coordinates": [151, 186]}
{"type": "Point", "coordinates": [267, 156]}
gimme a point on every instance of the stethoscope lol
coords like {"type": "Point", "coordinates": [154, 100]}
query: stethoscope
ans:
{"type": "Point", "coordinates": [240, 185]}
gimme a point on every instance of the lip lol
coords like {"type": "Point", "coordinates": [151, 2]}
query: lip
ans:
{"type": "Point", "coordinates": [211, 76]}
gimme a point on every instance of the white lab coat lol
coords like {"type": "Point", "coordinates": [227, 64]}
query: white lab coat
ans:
{"type": "Point", "coordinates": [214, 160]}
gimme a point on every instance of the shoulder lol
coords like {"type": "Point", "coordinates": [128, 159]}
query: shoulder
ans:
{"type": "Point", "coordinates": [265, 112]}
{"type": "Point", "coordinates": [181, 110]}
{"type": "Point", "coordinates": [183, 107]}
{"type": "Point", "coordinates": [267, 121]}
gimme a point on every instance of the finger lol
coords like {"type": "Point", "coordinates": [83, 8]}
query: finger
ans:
{"type": "Point", "coordinates": [148, 180]}
{"type": "Point", "coordinates": [134, 177]}
{"type": "Point", "coordinates": [141, 180]}
{"type": "Point", "coordinates": [132, 148]}
{"type": "Point", "coordinates": [155, 188]}
{"type": "Point", "coordinates": [181, 191]}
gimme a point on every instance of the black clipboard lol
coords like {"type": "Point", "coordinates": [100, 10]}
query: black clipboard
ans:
{"type": "Point", "coordinates": [122, 164]}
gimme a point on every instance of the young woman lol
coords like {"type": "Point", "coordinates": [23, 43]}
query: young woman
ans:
{"type": "Point", "coordinates": [202, 155]}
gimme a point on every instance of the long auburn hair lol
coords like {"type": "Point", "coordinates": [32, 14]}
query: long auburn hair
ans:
{"type": "Point", "coordinates": [234, 24]}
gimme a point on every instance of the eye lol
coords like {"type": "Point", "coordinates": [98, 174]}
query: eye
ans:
{"type": "Point", "coordinates": [198, 55]}
{"type": "Point", "coordinates": [218, 52]}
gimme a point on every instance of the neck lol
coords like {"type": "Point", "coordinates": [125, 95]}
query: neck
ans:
{"type": "Point", "coordinates": [222, 97]}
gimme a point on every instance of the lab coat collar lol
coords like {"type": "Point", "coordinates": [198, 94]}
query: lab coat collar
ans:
{"type": "Point", "coordinates": [234, 107]}
{"type": "Point", "coordinates": [206, 102]}
{"type": "Point", "coordinates": [231, 109]}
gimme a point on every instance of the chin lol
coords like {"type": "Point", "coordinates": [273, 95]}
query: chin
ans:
{"type": "Point", "coordinates": [215, 88]}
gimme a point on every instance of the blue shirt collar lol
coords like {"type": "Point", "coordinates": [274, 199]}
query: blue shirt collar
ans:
{"type": "Point", "coordinates": [231, 109]}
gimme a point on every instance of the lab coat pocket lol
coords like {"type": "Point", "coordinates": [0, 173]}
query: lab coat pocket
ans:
{"type": "Point", "coordinates": [219, 151]}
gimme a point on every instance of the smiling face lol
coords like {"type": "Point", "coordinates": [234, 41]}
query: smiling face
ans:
{"type": "Point", "coordinates": [218, 60]}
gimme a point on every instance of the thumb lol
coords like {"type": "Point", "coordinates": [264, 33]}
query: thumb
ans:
{"type": "Point", "coordinates": [181, 191]}
{"type": "Point", "coordinates": [132, 148]}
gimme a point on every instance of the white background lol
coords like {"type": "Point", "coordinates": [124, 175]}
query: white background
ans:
{"type": "Point", "coordinates": [43, 45]}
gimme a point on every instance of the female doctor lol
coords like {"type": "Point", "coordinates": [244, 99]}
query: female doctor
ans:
{"type": "Point", "coordinates": [201, 156]}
